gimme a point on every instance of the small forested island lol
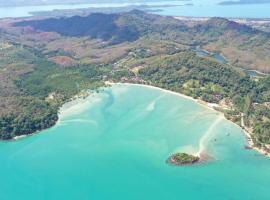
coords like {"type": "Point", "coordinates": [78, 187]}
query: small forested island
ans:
{"type": "Point", "coordinates": [45, 62]}
{"type": "Point", "coordinates": [183, 159]}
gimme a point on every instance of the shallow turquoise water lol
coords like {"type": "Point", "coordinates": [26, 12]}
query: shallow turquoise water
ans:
{"type": "Point", "coordinates": [114, 144]}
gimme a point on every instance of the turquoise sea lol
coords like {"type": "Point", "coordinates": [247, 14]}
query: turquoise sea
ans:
{"type": "Point", "coordinates": [113, 145]}
{"type": "Point", "coordinates": [196, 8]}
{"type": "Point", "coordinates": [211, 8]}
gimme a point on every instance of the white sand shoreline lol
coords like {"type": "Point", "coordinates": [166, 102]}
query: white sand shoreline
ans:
{"type": "Point", "coordinates": [210, 106]}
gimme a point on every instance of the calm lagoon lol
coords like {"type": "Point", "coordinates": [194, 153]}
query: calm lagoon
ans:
{"type": "Point", "coordinates": [113, 145]}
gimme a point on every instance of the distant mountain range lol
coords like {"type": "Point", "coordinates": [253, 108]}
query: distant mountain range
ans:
{"type": "Point", "coordinates": [132, 25]}
{"type": "Point", "coordinates": [241, 44]}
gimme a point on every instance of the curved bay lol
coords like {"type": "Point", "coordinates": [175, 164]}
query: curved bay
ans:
{"type": "Point", "coordinates": [113, 145]}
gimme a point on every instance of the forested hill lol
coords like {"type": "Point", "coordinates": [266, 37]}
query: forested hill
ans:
{"type": "Point", "coordinates": [242, 45]}
{"type": "Point", "coordinates": [100, 26]}
{"type": "Point", "coordinates": [131, 25]}
{"type": "Point", "coordinates": [115, 27]}
{"type": "Point", "coordinates": [134, 18]}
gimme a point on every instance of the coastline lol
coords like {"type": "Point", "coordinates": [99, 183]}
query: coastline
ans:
{"type": "Point", "coordinates": [207, 105]}
{"type": "Point", "coordinates": [67, 105]}
{"type": "Point", "coordinates": [21, 137]}
{"type": "Point", "coordinates": [210, 106]}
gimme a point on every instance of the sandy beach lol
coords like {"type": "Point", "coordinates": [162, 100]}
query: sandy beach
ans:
{"type": "Point", "coordinates": [70, 107]}
{"type": "Point", "coordinates": [207, 105]}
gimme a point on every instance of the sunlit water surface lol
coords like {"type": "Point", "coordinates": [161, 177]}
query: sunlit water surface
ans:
{"type": "Point", "coordinates": [113, 145]}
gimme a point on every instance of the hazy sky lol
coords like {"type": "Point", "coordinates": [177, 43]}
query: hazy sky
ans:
{"type": "Point", "coordinates": [50, 2]}
{"type": "Point", "coordinates": [42, 2]}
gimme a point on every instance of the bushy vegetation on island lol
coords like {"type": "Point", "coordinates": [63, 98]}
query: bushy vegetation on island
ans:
{"type": "Point", "coordinates": [183, 159]}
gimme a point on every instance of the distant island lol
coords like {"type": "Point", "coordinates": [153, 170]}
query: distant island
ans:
{"type": "Point", "coordinates": [239, 2]}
